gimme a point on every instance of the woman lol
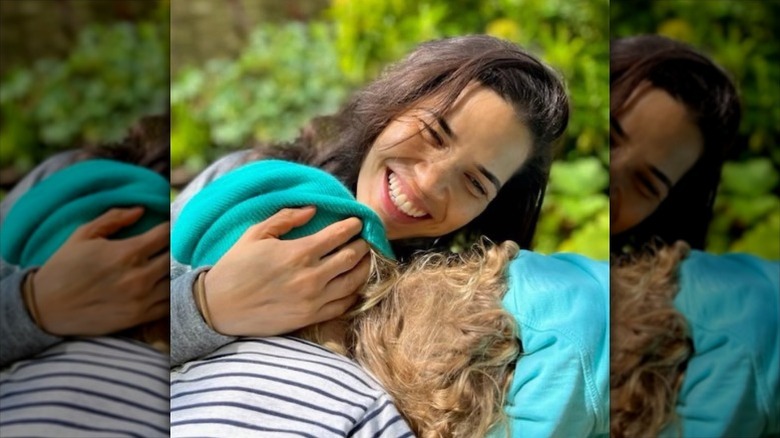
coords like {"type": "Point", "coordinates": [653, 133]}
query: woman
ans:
{"type": "Point", "coordinates": [563, 322]}
{"type": "Point", "coordinates": [70, 273]}
{"type": "Point", "coordinates": [72, 236]}
{"type": "Point", "coordinates": [674, 116]}
{"type": "Point", "coordinates": [455, 138]}
{"type": "Point", "coordinates": [692, 345]}
{"type": "Point", "coordinates": [432, 333]}
{"type": "Point", "coordinates": [433, 329]}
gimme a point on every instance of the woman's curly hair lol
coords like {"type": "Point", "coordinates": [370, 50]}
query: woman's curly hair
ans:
{"type": "Point", "coordinates": [435, 335]}
{"type": "Point", "coordinates": [650, 341]}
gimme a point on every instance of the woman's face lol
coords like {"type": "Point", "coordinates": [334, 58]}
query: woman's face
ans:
{"type": "Point", "coordinates": [427, 175]}
{"type": "Point", "coordinates": [655, 141]}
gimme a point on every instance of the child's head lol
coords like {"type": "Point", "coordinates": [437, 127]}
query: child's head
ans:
{"type": "Point", "coordinates": [435, 335]}
{"type": "Point", "coordinates": [650, 342]}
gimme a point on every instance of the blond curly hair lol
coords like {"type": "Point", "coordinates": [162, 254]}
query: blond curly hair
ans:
{"type": "Point", "coordinates": [435, 335]}
{"type": "Point", "coordinates": [650, 341]}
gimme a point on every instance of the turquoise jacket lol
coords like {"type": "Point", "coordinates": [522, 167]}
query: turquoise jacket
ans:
{"type": "Point", "coordinates": [731, 387]}
{"type": "Point", "coordinates": [561, 382]}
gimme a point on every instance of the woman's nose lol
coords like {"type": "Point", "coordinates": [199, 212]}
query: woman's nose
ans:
{"type": "Point", "coordinates": [433, 179]}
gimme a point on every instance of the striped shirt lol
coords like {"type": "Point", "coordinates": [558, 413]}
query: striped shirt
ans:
{"type": "Point", "coordinates": [280, 387]}
{"type": "Point", "coordinates": [87, 387]}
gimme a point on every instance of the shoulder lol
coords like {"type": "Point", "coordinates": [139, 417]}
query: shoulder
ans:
{"type": "Point", "coordinates": [731, 303]}
{"type": "Point", "coordinates": [561, 304]}
{"type": "Point", "coordinates": [295, 384]}
{"type": "Point", "coordinates": [734, 294]}
{"type": "Point", "coordinates": [86, 384]}
{"type": "Point", "coordinates": [561, 291]}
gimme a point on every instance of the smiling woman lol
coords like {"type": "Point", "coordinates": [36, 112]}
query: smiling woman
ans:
{"type": "Point", "coordinates": [455, 138]}
{"type": "Point", "coordinates": [656, 141]}
{"type": "Point", "coordinates": [674, 116]}
{"type": "Point", "coordinates": [427, 175]}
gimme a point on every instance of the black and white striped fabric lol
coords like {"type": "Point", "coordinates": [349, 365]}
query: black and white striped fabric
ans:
{"type": "Point", "coordinates": [279, 387]}
{"type": "Point", "coordinates": [88, 387]}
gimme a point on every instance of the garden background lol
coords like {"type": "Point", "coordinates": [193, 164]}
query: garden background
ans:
{"type": "Point", "coordinates": [243, 70]}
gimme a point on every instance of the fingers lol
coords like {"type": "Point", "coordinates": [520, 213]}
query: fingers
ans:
{"type": "Point", "coordinates": [336, 308]}
{"type": "Point", "coordinates": [161, 290]}
{"type": "Point", "coordinates": [155, 305]}
{"type": "Point", "coordinates": [281, 223]}
{"type": "Point", "coordinates": [157, 311]}
{"type": "Point", "coordinates": [333, 236]}
{"type": "Point", "coordinates": [349, 282]}
{"type": "Point", "coordinates": [151, 242]}
{"type": "Point", "coordinates": [159, 266]}
{"type": "Point", "coordinates": [108, 223]}
{"type": "Point", "coordinates": [344, 259]}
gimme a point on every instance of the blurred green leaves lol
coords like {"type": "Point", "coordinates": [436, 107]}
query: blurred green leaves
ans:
{"type": "Point", "coordinates": [285, 75]}
{"type": "Point", "coordinates": [575, 215]}
{"type": "Point", "coordinates": [747, 208]}
{"type": "Point", "coordinates": [114, 75]}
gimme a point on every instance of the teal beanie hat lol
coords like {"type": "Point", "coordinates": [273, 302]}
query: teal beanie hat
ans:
{"type": "Point", "coordinates": [217, 216]}
{"type": "Point", "coordinates": [44, 217]}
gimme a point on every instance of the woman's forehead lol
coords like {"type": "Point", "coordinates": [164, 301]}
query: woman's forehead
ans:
{"type": "Point", "coordinates": [663, 130]}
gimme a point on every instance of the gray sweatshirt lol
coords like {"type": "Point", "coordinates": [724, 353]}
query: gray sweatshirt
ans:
{"type": "Point", "coordinates": [191, 337]}
{"type": "Point", "coordinates": [20, 336]}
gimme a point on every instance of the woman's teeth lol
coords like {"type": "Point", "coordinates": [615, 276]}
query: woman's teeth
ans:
{"type": "Point", "coordinates": [400, 200]}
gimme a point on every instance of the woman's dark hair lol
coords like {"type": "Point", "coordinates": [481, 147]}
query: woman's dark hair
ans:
{"type": "Point", "coordinates": [442, 69]}
{"type": "Point", "coordinates": [711, 98]}
{"type": "Point", "coordinates": [147, 144]}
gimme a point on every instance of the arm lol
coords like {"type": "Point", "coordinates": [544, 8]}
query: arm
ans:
{"type": "Point", "coordinates": [191, 337]}
{"type": "Point", "coordinates": [259, 284]}
{"type": "Point", "coordinates": [22, 337]}
{"type": "Point", "coordinates": [731, 384]}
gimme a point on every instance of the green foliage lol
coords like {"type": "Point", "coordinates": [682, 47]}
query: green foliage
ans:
{"type": "Point", "coordinates": [114, 75]}
{"type": "Point", "coordinates": [747, 213]}
{"type": "Point", "coordinates": [575, 214]}
{"type": "Point", "coordinates": [285, 76]}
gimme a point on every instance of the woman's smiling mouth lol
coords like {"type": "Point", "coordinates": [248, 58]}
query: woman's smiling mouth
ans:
{"type": "Point", "coordinates": [400, 199]}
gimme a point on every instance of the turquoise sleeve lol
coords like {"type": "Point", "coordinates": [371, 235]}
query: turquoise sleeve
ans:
{"type": "Point", "coordinates": [561, 382]}
{"type": "Point", "coordinates": [730, 387]}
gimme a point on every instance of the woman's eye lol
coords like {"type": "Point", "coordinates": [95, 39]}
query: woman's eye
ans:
{"type": "Point", "coordinates": [475, 182]}
{"type": "Point", "coordinates": [433, 136]}
{"type": "Point", "coordinates": [647, 187]}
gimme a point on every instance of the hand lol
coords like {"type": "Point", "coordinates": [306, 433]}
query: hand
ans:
{"type": "Point", "coordinates": [95, 286]}
{"type": "Point", "coordinates": [264, 286]}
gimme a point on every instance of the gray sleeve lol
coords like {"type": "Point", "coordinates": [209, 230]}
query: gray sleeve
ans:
{"type": "Point", "coordinates": [21, 337]}
{"type": "Point", "coordinates": [382, 419]}
{"type": "Point", "coordinates": [191, 337]}
{"type": "Point", "coordinates": [39, 173]}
